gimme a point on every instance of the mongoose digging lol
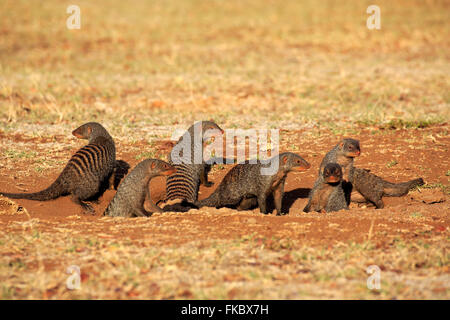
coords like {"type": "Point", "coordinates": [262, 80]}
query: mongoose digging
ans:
{"type": "Point", "coordinates": [327, 194]}
{"type": "Point", "coordinates": [130, 196]}
{"type": "Point", "coordinates": [374, 188]}
{"type": "Point", "coordinates": [245, 181]}
{"type": "Point", "coordinates": [85, 173]}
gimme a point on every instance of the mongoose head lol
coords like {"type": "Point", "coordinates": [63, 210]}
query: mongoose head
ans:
{"type": "Point", "coordinates": [350, 148]}
{"type": "Point", "coordinates": [292, 162]}
{"type": "Point", "coordinates": [209, 130]}
{"type": "Point", "coordinates": [90, 131]}
{"type": "Point", "coordinates": [332, 173]}
{"type": "Point", "coordinates": [160, 168]}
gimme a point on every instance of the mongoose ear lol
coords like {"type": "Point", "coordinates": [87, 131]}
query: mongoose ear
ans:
{"type": "Point", "coordinates": [284, 159]}
{"type": "Point", "coordinates": [89, 130]}
{"type": "Point", "coordinates": [153, 165]}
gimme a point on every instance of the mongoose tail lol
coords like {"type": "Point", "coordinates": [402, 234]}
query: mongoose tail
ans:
{"type": "Point", "coordinates": [54, 191]}
{"type": "Point", "coordinates": [400, 189]}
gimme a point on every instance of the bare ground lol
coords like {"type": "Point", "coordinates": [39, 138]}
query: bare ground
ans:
{"type": "Point", "coordinates": [222, 253]}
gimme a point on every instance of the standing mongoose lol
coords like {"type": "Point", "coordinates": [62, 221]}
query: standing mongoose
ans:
{"type": "Point", "coordinates": [246, 181]}
{"type": "Point", "coordinates": [130, 196]}
{"type": "Point", "coordinates": [327, 195]}
{"type": "Point", "coordinates": [85, 173]}
{"type": "Point", "coordinates": [192, 170]}
{"type": "Point", "coordinates": [374, 188]}
{"type": "Point", "coordinates": [343, 154]}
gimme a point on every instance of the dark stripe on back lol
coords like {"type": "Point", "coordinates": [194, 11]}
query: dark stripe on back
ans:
{"type": "Point", "coordinates": [84, 158]}
{"type": "Point", "coordinates": [93, 156]}
{"type": "Point", "coordinates": [75, 163]}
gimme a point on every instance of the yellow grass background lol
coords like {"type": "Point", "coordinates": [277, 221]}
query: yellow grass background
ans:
{"type": "Point", "coordinates": [242, 63]}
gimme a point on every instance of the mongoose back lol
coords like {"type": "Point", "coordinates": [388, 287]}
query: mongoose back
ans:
{"type": "Point", "coordinates": [185, 183]}
{"type": "Point", "coordinates": [130, 196]}
{"type": "Point", "coordinates": [373, 188]}
{"type": "Point", "coordinates": [246, 181]}
{"type": "Point", "coordinates": [327, 194]}
{"type": "Point", "coordinates": [87, 170]}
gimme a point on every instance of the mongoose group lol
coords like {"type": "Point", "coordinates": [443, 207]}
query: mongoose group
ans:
{"type": "Point", "coordinates": [94, 168]}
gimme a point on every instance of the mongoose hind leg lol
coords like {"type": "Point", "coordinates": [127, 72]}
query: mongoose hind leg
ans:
{"type": "Point", "coordinates": [357, 197]}
{"type": "Point", "coordinates": [204, 179]}
{"type": "Point", "coordinates": [247, 203]}
{"type": "Point", "coordinates": [379, 204]}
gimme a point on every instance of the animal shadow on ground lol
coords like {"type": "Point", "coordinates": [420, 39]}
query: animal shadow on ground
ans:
{"type": "Point", "coordinates": [288, 200]}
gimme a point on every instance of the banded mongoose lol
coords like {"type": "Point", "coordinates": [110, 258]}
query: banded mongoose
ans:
{"type": "Point", "coordinates": [191, 170]}
{"type": "Point", "coordinates": [246, 181]}
{"type": "Point", "coordinates": [131, 194]}
{"type": "Point", "coordinates": [374, 188]}
{"type": "Point", "coordinates": [327, 195]}
{"type": "Point", "coordinates": [85, 173]}
{"type": "Point", "coordinates": [343, 154]}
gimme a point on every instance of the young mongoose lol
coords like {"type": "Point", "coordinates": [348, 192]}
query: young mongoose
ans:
{"type": "Point", "coordinates": [130, 196]}
{"type": "Point", "coordinates": [185, 183]}
{"type": "Point", "coordinates": [374, 188]}
{"type": "Point", "coordinates": [85, 173]}
{"type": "Point", "coordinates": [245, 181]}
{"type": "Point", "coordinates": [327, 194]}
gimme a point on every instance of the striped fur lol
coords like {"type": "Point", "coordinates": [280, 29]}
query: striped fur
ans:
{"type": "Point", "coordinates": [185, 183]}
{"type": "Point", "coordinates": [85, 173]}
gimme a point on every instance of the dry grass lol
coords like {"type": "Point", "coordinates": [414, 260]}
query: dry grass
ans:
{"type": "Point", "coordinates": [249, 267]}
{"type": "Point", "coordinates": [145, 67]}
{"type": "Point", "coordinates": [243, 63]}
